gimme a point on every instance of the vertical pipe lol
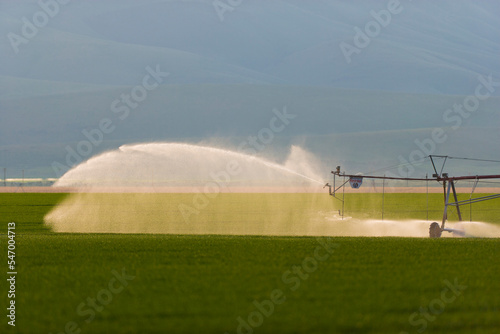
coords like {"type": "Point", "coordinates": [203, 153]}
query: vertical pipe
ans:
{"type": "Point", "coordinates": [470, 209]}
{"type": "Point", "coordinates": [470, 203]}
{"type": "Point", "coordinates": [445, 200]}
{"type": "Point", "coordinates": [427, 190]}
{"type": "Point", "coordinates": [343, 199]}
{"type": "Point", "coordinates": [334, 185]}
{"type": "Point", "coordinates": [383, 197]}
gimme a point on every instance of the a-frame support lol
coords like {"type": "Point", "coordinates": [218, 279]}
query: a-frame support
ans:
{"type": "Point", "coordinates": [451, 187]}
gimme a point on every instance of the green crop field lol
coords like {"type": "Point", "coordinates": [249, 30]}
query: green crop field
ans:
{"type": "Point", "coordinates": [418, 206]}
{"type": "Point", "coordinates": [161, 283]}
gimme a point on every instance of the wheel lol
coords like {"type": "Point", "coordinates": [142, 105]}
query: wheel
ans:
{"type": "Point", "coordinates": [435, 230]}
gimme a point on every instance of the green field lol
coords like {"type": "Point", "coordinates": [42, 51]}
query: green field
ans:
{"type": "Point", "coordinates": [418, 206]}
{"type": "Point", "coordinates": [251, 213]}
{"type": "Point", "coordinates": [67, 283]}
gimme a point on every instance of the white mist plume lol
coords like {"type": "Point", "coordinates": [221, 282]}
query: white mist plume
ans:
{"type": "Point", "coordinates": [200, 189]}
{"type": "Point", "coordinates": [303, 162]}
{"type": "Point", "coordinates": [227, 207]}
{"type": "Point", "coordinates": [186, 165]}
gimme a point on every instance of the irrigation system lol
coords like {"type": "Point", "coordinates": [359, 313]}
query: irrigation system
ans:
{"type": "Point", "coordinates": [448, 183]}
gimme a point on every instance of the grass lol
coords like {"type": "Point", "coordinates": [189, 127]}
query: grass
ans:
{"type": "Point", "coordinates": [191, 284]}
{"type": "Point", "coordinates": [418, 206]}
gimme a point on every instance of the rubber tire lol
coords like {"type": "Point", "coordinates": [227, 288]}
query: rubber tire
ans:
{"type": "Point", "coordinates": [435, 230]}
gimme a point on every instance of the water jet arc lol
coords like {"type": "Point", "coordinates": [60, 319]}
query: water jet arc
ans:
{"type": "Point", "coordinates": [183, 165]}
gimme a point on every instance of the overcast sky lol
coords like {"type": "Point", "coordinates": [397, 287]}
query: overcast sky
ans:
{"type": "Point", "coordinates": [368, 78]}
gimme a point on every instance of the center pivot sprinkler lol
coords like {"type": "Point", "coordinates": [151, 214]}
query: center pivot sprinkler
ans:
{"type": "Point", "coordinates": [449, 190]}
